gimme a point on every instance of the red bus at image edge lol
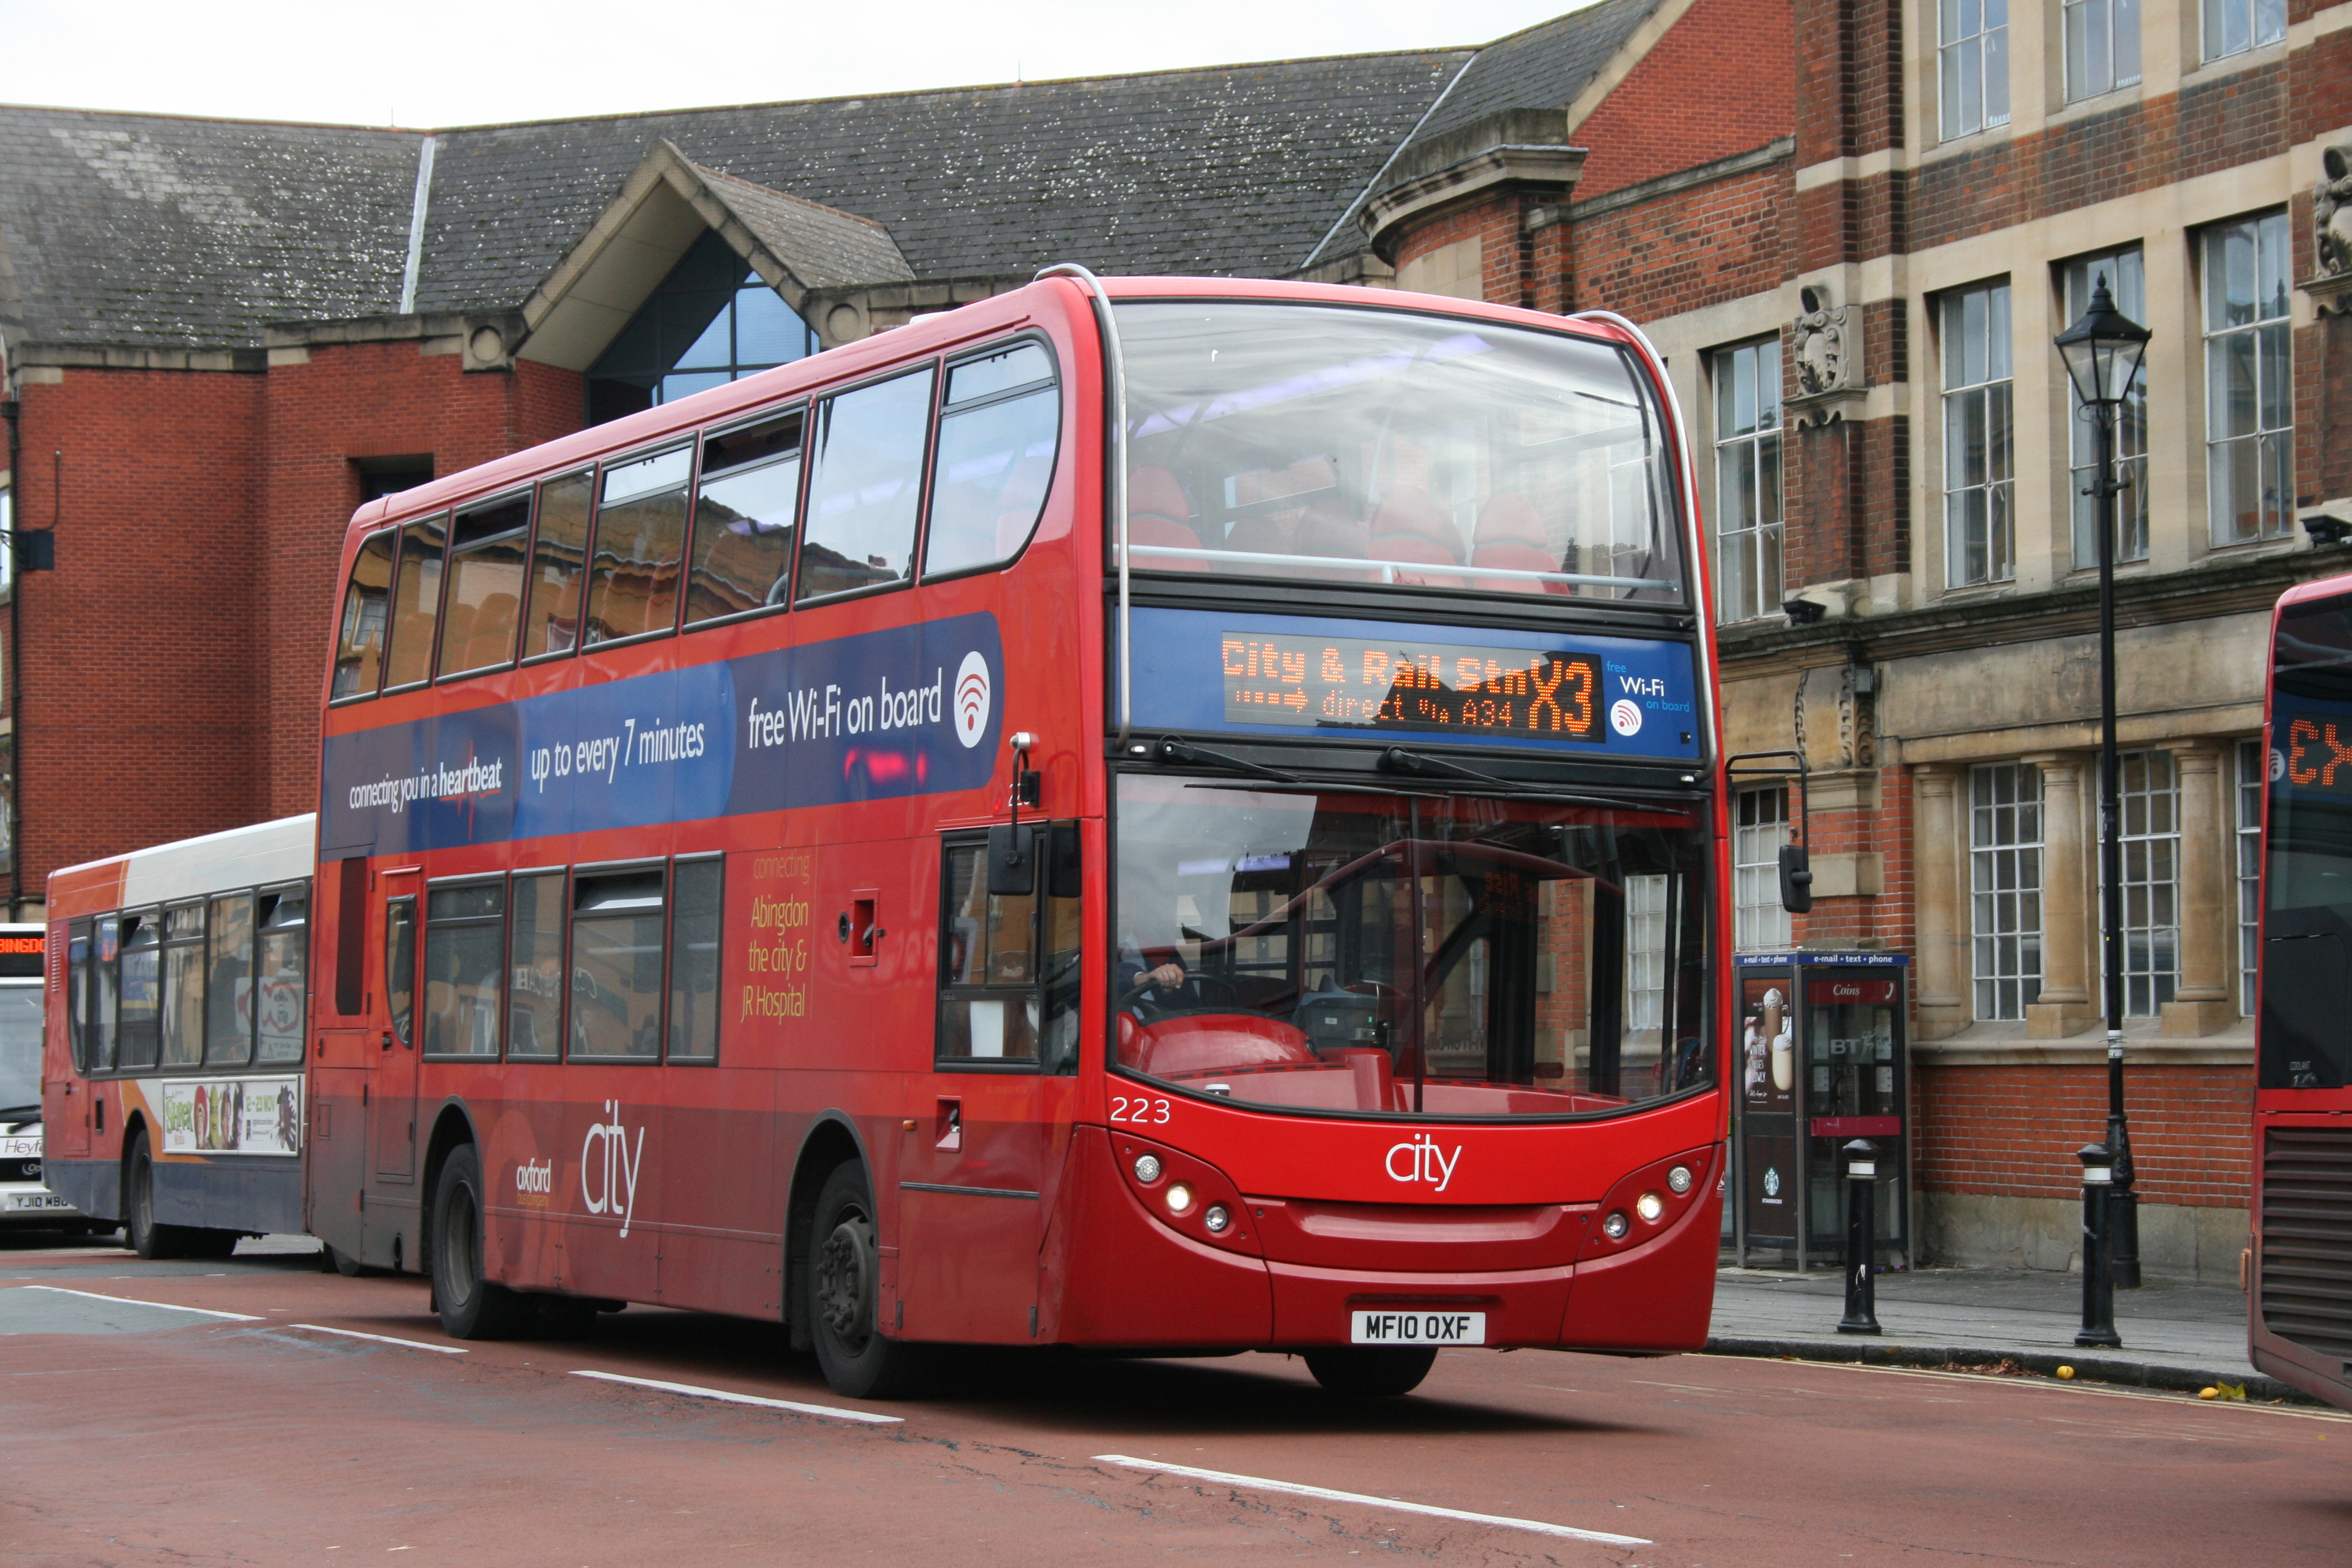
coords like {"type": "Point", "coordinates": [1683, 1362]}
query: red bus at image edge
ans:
{"type": "Point", "coordinates": [657, 947]}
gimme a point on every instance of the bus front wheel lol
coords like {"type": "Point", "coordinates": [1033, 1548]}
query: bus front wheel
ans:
{"type": "Point", "coordinates": [471, 1307]}
{"type": "Point", "coordinates": [844, 1275]}
{"type": "Point", "coordinates": [1369, 1371]}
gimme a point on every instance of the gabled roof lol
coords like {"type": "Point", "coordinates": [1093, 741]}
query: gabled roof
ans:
{"type": "Point", "coordinates": [148, 230]}
{"type": "Point", "coordinates": [1236, 170]}
{"type": "Point", "coordinates": [664, 206]}
{"type": "Point", "coordinates": [1545, 67]}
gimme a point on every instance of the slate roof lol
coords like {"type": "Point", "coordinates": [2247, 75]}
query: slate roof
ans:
{"type": "Point", "coordinates": [156, 231]}
{"type": "Point", "coordinates": [152, 231]}
{"type": "Point", "coordinates": [1235, 170]}
{"type": "Point", "coordinates": [1543, 66]}
{"type": "Point", "coordinates": [825, 247]}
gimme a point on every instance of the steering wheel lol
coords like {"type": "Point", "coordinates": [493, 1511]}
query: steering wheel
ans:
{"type": "Point", "coordinates": [1225, 992]}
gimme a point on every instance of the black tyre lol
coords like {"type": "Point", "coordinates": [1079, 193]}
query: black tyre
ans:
{"type": "Point", "coordinates": [471, 1307]}
{"type": "Point", "coordinates": [140, 1231]}
{"type": "Point", "coordinates": [844, 1272]}
{"type": "Point", "coordinates": [1370, 1371]}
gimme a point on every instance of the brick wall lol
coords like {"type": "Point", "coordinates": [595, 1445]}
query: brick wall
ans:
{"type": "Point", "coordinates": [2012, 1131]}
{"type": "Point", "coordinates": [143, 650]}
{"type": "Point", "coordinates": [355, 401]}
{"type": "Point", "coordinates": [2207, 127]}
{"type": "Point", "coordinates": [1686, 250]}
{"type": "Point", "coordinates": [1663, 116]}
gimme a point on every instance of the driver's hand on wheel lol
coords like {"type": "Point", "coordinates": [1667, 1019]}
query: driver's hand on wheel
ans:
{"type": "Point", "coordinates": [1168, 975]}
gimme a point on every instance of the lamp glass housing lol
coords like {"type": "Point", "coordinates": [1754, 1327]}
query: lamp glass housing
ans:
{"type": "Point", "coordinates": [2102, 350]}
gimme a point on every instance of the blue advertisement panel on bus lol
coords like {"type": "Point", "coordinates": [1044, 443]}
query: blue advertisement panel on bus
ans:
{"type": "Point", "coordinates": [911, 711]}
{"type": "Point", "coordinates": [1324, 677]}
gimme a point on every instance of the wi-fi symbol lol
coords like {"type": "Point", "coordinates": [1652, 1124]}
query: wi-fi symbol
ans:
{"type": "Point", "coordinates": [971, 699]}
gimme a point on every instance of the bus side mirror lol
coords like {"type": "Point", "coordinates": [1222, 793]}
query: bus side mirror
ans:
{"type": "Point", "coordinates": [1796, 879]}
{"type": "Point", "coordinates": [1012, 861]}
{"type": "Point", "coordinates": [1065, 873]}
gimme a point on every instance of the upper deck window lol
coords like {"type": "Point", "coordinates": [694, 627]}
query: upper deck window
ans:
{"type": "Point", "coordinates": [640, 543]}
{"type": "Point", "coordinates": [359, 645]}
{"type": "Point", "coordinates": [1375, 446]}
{"type": "Point", "coordinates": [866, 486]}
{"type": "Point", "coordinates": [415, 603]}
{"type": "Point", "coordinates": [995, 457]}
{"type": "Point", "coordinates": [487, 561]}
{"type": "Point", "coordinates": [558, 551]}
{"type": "Point", "coordinates": [743, 556]}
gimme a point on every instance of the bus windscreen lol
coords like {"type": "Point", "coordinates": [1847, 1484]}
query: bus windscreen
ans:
{"type": "Point", "coordinates": [2307, 959]}
{"type": "Point", "coordinates": [1402, 955]}
{"type": "Point", "coordinates": [1382, 447]}
{"type": "Point", "coordinates": [20, 1050]}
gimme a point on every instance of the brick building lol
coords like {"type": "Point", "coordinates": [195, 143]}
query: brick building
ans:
{"type": "Point", "coordinates": [1853, 236]}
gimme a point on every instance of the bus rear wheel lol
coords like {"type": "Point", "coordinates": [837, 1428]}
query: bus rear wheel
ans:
{"type": "Point", "coordinates": [843, 1275]}
{"type": "Point", "coordinates": [1370, 1371]}
{"type": "Point", "coordinates": [471, 1307]}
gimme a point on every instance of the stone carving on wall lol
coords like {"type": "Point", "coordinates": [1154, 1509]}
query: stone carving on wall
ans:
{"type": "Point", "coordinates": [1827, 353]}
{"type": "Point", "coordinates": [2331, 223]}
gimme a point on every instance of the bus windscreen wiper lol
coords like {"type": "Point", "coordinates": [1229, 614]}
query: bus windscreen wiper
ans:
{"type": "Point", "coordinates": [20, 1113]}
{"type": "Point", "coordinates": [1172, 749]}
{"type": "Point", "coordinates": [1420, 765]}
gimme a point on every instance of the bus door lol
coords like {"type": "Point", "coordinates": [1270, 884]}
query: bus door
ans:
{"type": "Point", "coordinates": [393, 1119]}
{"type": "Point", "coordinates": [989, 1136]}
{"type": "Point", "coordinates": [69, 1136]}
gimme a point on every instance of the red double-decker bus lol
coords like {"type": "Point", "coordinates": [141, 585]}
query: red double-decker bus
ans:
{"type": "Point", "coordinates": [2299, 1327]}
{"type": "Point", "coordinates": [1159, 814]}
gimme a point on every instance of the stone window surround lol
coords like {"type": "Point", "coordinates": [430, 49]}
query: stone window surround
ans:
{"type": "Point", "coordinates": [2067, 1022]}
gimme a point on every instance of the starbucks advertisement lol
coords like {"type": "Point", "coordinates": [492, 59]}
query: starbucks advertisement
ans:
{"type": "Point", "coordinates": [232, 1116]}
{"type": "Point", "coordinates": [1768, 1039]}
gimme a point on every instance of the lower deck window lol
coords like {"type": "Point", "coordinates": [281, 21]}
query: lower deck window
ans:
{"type": "Point", "coordinates": [464, 936]}
{"type": "Point", "coordinates": [616, 964]}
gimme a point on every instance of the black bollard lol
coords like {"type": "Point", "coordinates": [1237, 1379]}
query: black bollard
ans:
{"type": "Point", "coordinates": [1861, 1289]}
{"type": "Point", "coordinates": [2098, 1250]}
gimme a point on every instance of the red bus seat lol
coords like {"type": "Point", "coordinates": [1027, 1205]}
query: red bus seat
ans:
{"type": "Point", "coordinates": [1511, 537]}
{"type": "Point", "coordinates": [1158, 513]}
{"type": "Point", "coordinates": [492, 641]}
{"type": "Point", "coordinates": [1409, 527]}
{"type": "Point", "coordinates": [1332, 528]}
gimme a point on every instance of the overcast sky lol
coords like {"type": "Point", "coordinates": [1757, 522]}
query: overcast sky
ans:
{"type": "Point", "coordinates": [463, 62]}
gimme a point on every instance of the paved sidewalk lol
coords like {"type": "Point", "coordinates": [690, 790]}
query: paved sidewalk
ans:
{"type": "Point", "coordinates": [2175, 1336]}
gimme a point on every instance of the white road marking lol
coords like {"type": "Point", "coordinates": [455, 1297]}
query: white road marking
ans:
{"type": "Point", "coordinates": [134, 1301]}
{"type": "Point", "coordinates": [830, 1412]}
{"type": "Point", "coordinates": [380, 1339]}
{"type": "Point", "coordinates": [1257, 1483]}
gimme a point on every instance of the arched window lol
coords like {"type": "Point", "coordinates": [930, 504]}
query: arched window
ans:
{"type": "Point", "coordinates": [711, 322]}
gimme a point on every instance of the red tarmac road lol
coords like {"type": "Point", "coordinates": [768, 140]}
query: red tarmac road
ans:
{"type": "Point", "coordinates": [134, 1436]}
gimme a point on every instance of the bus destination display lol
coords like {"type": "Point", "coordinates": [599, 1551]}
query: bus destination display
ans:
{"type": "Point", "coordinates": [1352, 683]}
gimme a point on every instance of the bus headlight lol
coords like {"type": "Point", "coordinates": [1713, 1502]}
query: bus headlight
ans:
{"type": "Point", "coordinates": [1650, 1205]}
{"type": "Point", "coordinates": [1679, 1179]}
{"type": "Point", "coordinates": [1179, 1198]}
{"type": "Point", "coordinates": [1615, 1226]}
{"type": "Point", "coordinates": [1216, 1220]}
{"type": "Point", "coordinates": [1147, 1168]}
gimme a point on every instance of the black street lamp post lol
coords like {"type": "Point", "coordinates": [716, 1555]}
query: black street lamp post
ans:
{"type": "Point", "coordinates": [2102, 351]}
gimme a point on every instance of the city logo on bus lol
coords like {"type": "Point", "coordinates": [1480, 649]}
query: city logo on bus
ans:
{"type": "Point", "coordinates": [1422, 1161]}
{"type": "Point", "coordinates": [615, 1165]}
{"type": "Point", "coordinates": [971, 699]}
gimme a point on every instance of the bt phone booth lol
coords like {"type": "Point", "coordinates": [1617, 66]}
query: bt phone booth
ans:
{"type": "Point", "coordinates": [1823, 1058]}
